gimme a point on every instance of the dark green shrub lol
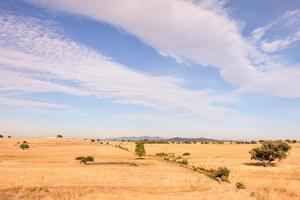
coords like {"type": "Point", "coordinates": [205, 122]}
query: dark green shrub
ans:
{"type": "Point", "coordinates": [183, 162]}
{"type": "Point", "coordinates": [186, 154]}
{"type": "Point", "coordinates": [221, 172]}
{"type": "Point", "coordinates": [84, 160]}
{"type": "Point", "coordinates": [24, 146]}
{"type": "Point", "coordinates": [270, 151]}
{"type": "Point", "coordinates": [240, 185]}
{"type": "Point", "coordinates": [140, 149]}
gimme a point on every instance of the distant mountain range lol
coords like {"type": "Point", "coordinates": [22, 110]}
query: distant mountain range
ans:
{"type": "Point", "coordinates": [175, 139]}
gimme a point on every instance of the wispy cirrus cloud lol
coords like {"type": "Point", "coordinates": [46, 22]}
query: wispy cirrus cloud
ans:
{"type": "Point", "coordinates": [193, 30]}
{"type": "Point", "coordinates": [36, 57]}
{"type": "Point", "coordinates": [290, 21]}
{"type": "Point", "coordinates": [28, 103]}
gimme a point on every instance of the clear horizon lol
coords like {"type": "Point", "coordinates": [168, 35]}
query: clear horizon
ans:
{"type": "Point", "coordinates": [221, 69]}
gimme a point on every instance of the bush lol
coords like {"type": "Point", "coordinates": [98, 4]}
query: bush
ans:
{"type": "Point", "coordinates": [92, 140]}
{"type": "Point", "coordinates": [221, 172]}
{"type": "Point", "coordinates": [161, 154]}
{"type": "Point", "coordinates": [1, 136]}
{"type": "Point", "coordinates": [240, 185]}
{"type": "Point", "coordinates": [9, 136]}
{"type": "Point", "coordinates": [253, 142]}
{"type": "Point", "coordinates": [24, 141]}
{"type": "Point", "coordinates": [24, 146]}
{"type": "Point", "coordinates": [270, 151]}
{"type": "Point", "coordinates": [186, 154]}
{"type": "Point", "coordinates": [59, 136]}
{"type": "Point", "coordinates": [183, 162]}
{"type": "Point", "coordinates": [84, 160]}
{"type": "Point", "coordinates": [140, 149]}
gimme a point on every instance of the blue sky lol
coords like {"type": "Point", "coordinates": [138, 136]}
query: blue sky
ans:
{"type": "Point", "coordinates": [225, 69]}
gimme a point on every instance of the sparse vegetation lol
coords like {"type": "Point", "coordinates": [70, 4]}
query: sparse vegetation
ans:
{"type": "Point", "coordinates": [183, 162]}
{"type": "Point", "coordinates": [84, 159]}
{"type": "Point", "coordinates": [140, 149]}
{"type": "Point", "coordinates": [24, 145]}
{"type": "Point", "coordinates": [240, 185]}
{"type": "Point", "coordinates": [221, 173]}
{"type": "Point", "coordinates": [270, 151]}
{"type": "Point", "coordinates": [113, 164]}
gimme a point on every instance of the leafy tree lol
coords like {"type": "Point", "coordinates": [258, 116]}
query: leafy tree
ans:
{"type": "Point", "coordinates": [84, 160]}
{"type": "Point", "coordinates": [270, 151]}
{"type": "Point", "coordinates": [140, 149]}
{"type": "Point", "coordinates": [24, 146]}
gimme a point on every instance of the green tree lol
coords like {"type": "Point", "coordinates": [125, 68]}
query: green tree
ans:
{"type": "Point", "coordinates": [84, 160]}
{"type": "Point", "coordinates": [140, 149]}
{"type": "Point", "coordinates": [24, 146]}
{"type": "Point", "coordinates": [269, 151]}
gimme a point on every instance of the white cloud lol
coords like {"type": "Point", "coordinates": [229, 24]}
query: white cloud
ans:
{"type": "Point", "coordinates": [259, 32]}
{"type": "Point", "coordinates": [18, 102]}
{"type": "Point", "coordinates": [36, 57]}
{"type": "Point", "coordinates": [279, 44]}
{"type": "Point", "coordinates": [191, 30]}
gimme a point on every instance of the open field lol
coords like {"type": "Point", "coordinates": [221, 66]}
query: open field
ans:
{"type": "Point", "coordinates": [48, 170]}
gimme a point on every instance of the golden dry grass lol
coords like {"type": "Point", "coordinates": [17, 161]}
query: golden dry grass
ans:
{"type": "Point", "coordinates": [48, 171]}
{"type": "Point", "coordinates": [268, 183]}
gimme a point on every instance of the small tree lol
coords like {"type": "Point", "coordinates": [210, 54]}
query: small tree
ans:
{"type": "Point", "coordinates": [24, 146]}
{"type": "Point", "coordinates": [84, 160]}
{"type": "Point", "coordinates": [140, 149]}
{"type": "Point", "coordinates": [270, 151]}
{"type": "Point", "coordinates": [1, 136]}
{"type": "Point", "coordinates": [92, 140]}
{"type": "Point", "coordinates": [59, 136]}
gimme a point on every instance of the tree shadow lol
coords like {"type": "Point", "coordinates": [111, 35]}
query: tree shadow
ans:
{"type": "Point", "coordinates": [259, 164]}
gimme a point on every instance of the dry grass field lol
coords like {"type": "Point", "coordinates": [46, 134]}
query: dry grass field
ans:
{"type": "Point", "coordinates": [48, 170]}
